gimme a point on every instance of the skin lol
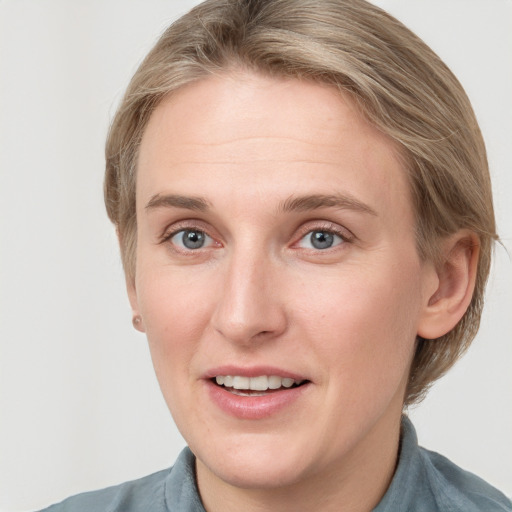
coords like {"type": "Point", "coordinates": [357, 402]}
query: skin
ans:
{"type": "Point", "coordinates": [259, 293]}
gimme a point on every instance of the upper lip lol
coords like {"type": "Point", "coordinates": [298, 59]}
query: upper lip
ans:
{"type": "Point", "coordinates": [252, 371]}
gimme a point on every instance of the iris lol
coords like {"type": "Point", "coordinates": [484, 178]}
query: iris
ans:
{"type": "Point", "coordinates": [321, 239]}
{"type": "Point", "coordinates": [193, 239]}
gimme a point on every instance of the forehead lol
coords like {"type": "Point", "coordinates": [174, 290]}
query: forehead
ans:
{"type": "Point", "coordinates": [243, 128]}
{"type": "Point", "coordinates": [238, 105]}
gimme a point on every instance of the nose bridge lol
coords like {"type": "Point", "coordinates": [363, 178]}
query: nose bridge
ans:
{"type": "Point", "coordinates": [250, 306]}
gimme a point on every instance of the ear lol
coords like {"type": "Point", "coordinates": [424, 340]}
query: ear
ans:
{"type": "Point", "coordinates": [456, 275]}
{"type": "Point", "coordinates": [131, 289]}
{"type": "Point", "coordinates": [137, 320]}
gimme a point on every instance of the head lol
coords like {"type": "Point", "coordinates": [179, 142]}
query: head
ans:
{"type": "Point", "coordinates": [397, 83]}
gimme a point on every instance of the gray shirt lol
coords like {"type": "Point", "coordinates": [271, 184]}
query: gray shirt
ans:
{"type": "Point", "coordinates": [424, 481]}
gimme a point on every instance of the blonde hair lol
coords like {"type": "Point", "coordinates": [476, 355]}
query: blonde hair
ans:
{"type": "Point", "coordinates": [398, 82]}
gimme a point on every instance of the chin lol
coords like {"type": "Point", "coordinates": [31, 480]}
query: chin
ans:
{"type": "Point", "coordinates": [254, 464]}
{"type": "Point", "coordinates": [258, 476]}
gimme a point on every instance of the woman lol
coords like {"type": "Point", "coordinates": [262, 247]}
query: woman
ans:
{"type": "Point", "coordinates": [303, 205]}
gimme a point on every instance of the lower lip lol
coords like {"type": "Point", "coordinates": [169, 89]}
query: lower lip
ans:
{"type": "Point", "coordinates": [254, 407]}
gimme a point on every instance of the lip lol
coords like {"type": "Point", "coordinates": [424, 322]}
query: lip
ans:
{"type": "Point", "coordinates": [253, 371]}
{"type": "Point", "coordinates": [253, 407]}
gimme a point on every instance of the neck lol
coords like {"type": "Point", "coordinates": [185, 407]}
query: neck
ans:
{"type": "Point", "coordinates": [356, 484]}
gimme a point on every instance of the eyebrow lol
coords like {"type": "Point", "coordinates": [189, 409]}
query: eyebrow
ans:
{"type": "Point", "coordinates": [292, 204]}
{"type": "Point", "coordinates": [317, 201]}
{"type": "Point", "coordinates": [177, 201]}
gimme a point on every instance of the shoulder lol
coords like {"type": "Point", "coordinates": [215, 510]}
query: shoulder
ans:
{"type": "Point", "coordinates": [425, 481]}
{"type": "Point", "coordinates": [458, 490]}
{"type": "Point", "coordinates": [146, 493]}
{"type": "Point", "coordinates": [164, 491]}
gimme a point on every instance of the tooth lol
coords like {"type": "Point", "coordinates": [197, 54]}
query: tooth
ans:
{"type": "Point", "coordinates": [287, 382]}
{"type": "Point", "coordinates": [259, 383]}
{"type": "Point", "coordinates": [274, 382]}
{"type": "Point", "coordinates": [240, 382]}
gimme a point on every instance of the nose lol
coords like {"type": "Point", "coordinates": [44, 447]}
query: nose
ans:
{"type": "Point", "coordinates": [251, 307]}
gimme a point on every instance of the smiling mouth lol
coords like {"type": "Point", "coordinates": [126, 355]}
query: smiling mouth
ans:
{"type": "Point", "coordinates": [256, 386]}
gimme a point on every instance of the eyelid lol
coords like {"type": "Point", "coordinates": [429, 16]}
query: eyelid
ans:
{"type": "Point", "coordinates": [183, 225]}
{"type": "Point", "coordinates": [208, 241]}
{"type": "Point", "coordinates": [313, 225]}
{"type": "Point", "coordinates": [322, 225]}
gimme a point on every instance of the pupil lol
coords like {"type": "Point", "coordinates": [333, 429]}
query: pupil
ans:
{"type": "Point", "coordinates": [321, 239]}
{"type": "Point", "coordinates": [193, 239]}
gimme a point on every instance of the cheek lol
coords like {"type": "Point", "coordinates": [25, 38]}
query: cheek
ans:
{"type": "Point", "coordinates": [365, 324]}
{"type": "Point", "coordinates": [172, 302]}
{"type": "Point", "coordinates": [175, 312]}
{"type": "Point", "coordinates": [175, 316]}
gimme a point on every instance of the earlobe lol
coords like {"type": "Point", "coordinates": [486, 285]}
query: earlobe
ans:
{"type": "Point", "coordinates": [456, 275]}
{"type": "Point", "coordinates": [131, 289]}
{"type": "Point", "coordinates": [137, 320]}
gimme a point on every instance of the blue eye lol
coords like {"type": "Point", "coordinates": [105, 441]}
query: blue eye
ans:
{"type": "Point", "coordinates": [191, 239]}
{"type": "Point", "coordinates": [320, 240]}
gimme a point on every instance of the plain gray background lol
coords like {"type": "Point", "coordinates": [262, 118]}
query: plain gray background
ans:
{"type": "Point", "coordinates": [79, 405]}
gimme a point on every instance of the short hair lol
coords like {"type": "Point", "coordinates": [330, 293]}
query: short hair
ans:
{"type": "Point", "coordinates": [399, 84]}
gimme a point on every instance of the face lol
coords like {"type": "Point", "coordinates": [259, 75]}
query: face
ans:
{"type": "Point", "coordinates": [277, 277]}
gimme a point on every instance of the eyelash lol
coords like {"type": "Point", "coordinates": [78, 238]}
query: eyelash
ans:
{"type": "Point", "coordinates": [186, 226]}
{"type": "Point", "coordinates": [325, 227]}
